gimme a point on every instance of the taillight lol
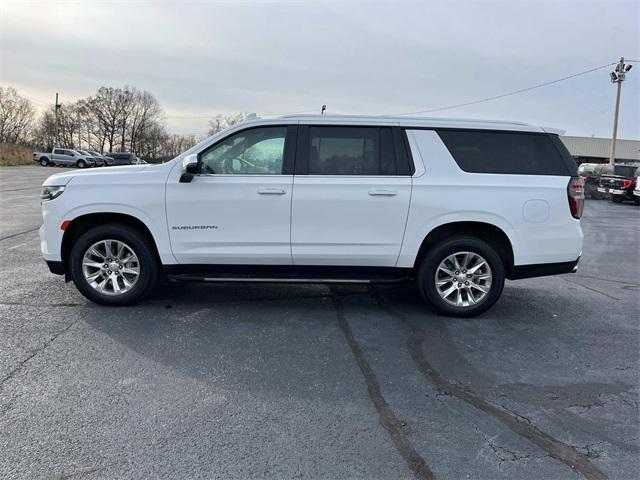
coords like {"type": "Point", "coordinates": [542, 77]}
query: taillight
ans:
{"type": "Point", "coordinates": [575, 194]}
{"type": "Point", "coordinates": [627, 184]}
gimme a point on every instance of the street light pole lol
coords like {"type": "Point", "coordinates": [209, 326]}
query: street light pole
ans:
{"type": "Point", "coordinates": [617, 76]}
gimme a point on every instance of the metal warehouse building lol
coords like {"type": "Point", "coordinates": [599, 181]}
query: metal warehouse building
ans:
{"type": "Point", "coordinates": [597, 150]}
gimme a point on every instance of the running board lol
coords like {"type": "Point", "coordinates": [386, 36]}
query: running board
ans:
{"type": "Point", "coordinates": [286, 274]}
{"type": "Point", "coordinates": [195, 278]}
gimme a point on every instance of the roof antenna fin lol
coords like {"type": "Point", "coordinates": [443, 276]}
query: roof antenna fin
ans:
{"type": "Point", "coordinates": [324, 107]}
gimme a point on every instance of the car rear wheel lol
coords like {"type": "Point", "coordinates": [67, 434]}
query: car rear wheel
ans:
{"type": "Point", "coordinates": [461, 277]}
{"type": "Point", "coordinates": [616, 198]}
{"type": "Point", "coordinates": [113, 264]}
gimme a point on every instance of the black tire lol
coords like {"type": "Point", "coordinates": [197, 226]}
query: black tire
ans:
{"type": "Point", "coordinates": [427, 272]}
{"type": "Point", "coordinates": [81, 164]}
{"type": "Point", "coordinates": [636, 200]}
{"type": "Point", "coordinates": [617, 198]}
{"type": "Point", "coordinates": [44, 161]}
{"type": "Point", "coordinates": [137, 242]}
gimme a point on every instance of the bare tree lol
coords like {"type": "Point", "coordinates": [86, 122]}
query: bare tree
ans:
{"type": "Point", "coordinates": [174, 144]}
{"type": "Point", "coordinates": [222, 121]}
{"type": "Point", "coordinates": [105, 109]}
{"type": "Point", "coordinates": [16, 116]}
{"type": "Point", "coordinates": [125, 119]}
{"type": "Point", "coordinates": [67, 133]}
{"type": "Point", "coordinates": [44, 133]}
{"type": "Point", "coordinates": [146, 115]}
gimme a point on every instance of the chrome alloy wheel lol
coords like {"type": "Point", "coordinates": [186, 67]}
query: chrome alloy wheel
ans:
{"type": "Point", "coordinates": [463, 279]}
{"type": "Point", "coordinates": [111, 267]}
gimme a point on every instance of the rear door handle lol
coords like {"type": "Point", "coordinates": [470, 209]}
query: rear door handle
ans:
{"type": "Point", "coordinates": [271, 191]}
{"type": "Point", "coordinates": [383, 193]}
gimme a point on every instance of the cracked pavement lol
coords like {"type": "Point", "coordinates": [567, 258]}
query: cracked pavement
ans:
{"type": "Point", "coordinates": [307, 381]}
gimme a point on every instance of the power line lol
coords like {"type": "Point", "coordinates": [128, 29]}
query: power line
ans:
{"type": "Point", "coordinates": [515, 92]}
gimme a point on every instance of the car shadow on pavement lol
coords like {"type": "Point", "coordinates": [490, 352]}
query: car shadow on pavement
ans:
{"type": "Point", "coordinates": [516, 363]}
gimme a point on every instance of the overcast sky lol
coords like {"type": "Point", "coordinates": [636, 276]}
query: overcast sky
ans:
{"type": "Point", "coordinates": [202, 58]}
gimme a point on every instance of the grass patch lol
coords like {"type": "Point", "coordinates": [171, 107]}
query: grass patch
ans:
{"type": "Point", "coordinates": [12, 155]}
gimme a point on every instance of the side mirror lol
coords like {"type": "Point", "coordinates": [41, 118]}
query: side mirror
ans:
{"type": "Point", "coordinates": [189, 168]}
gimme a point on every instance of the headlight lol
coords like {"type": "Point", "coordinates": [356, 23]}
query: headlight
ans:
{"type": "Point", "coordinates": [50, 192]}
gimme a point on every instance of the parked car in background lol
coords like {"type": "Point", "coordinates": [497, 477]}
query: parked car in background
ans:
{"type": "Point", "coordinates": [64, 156]}
{"type": "Point", "coordinates": [618, 181]}
{"type": "Point", "coordinates": [590, 172]}
{"type": "Point", "coordinates": [96, 158]}
{"type": "Point", "coordinates": [123, 158]}
{"type": "Point", "coordinates": [636, 190]}
{"type": "Point", "coordinates": [107, 160]}
{"type": "Point", "coordinates": [327, 199]}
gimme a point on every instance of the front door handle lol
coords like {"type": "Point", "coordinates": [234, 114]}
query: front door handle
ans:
{"type": "Point", "coordinates": [383, 193]}
{"type": "Point", "coordinates": [271, 191]}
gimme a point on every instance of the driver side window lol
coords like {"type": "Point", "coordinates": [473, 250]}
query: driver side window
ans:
{"type": "Point", "coordinates": [257, 151]}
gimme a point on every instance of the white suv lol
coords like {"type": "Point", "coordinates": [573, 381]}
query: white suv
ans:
{"type": "Point", "coordinates": [456, 206]}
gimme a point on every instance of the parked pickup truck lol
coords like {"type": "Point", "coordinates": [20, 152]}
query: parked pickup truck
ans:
{"type": "Point", "coordinates": [455, 206]}
{"type": "Point", "coordinates": [64, 156]}
{"type": "Point", "coordinates": [618, 181]}
{"type": "Point", "coordinates": [123, 158]}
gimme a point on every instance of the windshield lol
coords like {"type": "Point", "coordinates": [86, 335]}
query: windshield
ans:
{"type": "Point", "coordinates": [620, 170]}
{"type": "Point", "coordinates": [625, 170]}
{"type": "Point", "coordinates": [586, 168]}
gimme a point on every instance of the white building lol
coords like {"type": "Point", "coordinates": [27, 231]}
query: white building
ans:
{"type": "Point", "coordinates": [597, 150]}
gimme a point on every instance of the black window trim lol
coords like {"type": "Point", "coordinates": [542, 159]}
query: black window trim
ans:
{"type": "Point", "coordinates": [288, 155]}
{"type": "Point", "coordinates": [404, 164]}
{"type": "Point", "coordinates": [569, 169]}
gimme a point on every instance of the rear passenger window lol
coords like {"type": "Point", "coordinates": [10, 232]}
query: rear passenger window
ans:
{"type": "Point", "coordinates": [365, 151]}
{"type": "Point", "coordinates": [504, 152]}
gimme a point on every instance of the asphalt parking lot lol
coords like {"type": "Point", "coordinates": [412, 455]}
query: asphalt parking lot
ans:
{"type": "Point", "coordinates": [279, 381]}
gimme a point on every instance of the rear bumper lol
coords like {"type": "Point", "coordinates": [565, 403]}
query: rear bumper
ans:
{"type": "Point", "coordinates": [542, 270]}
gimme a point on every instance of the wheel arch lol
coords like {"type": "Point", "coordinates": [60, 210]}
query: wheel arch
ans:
{"type": "Point", "coordinates": [83, 223]}
{"type": "Point", "coordinates": [487, 232]}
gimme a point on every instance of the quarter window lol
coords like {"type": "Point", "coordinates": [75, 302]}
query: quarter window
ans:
{"type": "Point", "coordinates": [257, 151]}
{"type": "Point", "coordinates": [504, 152]}
{"type": "Point", "coordinates": [365, 151]}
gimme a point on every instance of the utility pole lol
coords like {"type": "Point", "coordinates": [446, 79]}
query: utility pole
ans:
{"type": "Point", "coordinates": [617, 76]}
{"type": "Point", "coordinates": [56, 108]}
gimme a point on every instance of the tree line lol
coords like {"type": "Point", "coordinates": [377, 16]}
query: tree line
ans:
{"type": "Point", "coordinates": [114, 119]}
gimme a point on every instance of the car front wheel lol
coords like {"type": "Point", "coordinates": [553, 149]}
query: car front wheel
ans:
{"type": "Point", "coordinates": [461, 277]}
{"type": "Point", "coordinates": [113, 264]}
